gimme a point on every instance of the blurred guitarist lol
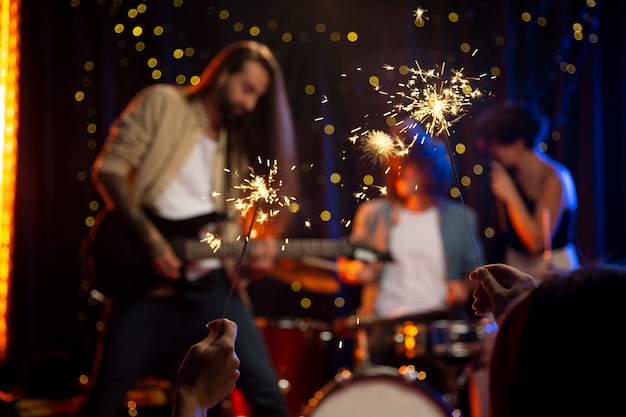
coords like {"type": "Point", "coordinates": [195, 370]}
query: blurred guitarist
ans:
{"type": "Point", "coordinates": [173, 155]}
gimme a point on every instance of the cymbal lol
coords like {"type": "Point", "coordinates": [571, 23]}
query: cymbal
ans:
{"type": "Point", "coordinates": [311, 278]}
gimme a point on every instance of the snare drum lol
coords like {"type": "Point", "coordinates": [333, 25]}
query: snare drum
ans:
{"type": "Point", "coordinates": [457, 338]}
{"type": "Point", "coordinates": [446, 339]}
{"type": "Point", "coordinates": [376, 391]}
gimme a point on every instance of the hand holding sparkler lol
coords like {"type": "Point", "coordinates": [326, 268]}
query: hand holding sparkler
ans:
{"type": "Point", "coordinates": [498, 285]}
{"type": "Point", "coordinates": [209, 370]}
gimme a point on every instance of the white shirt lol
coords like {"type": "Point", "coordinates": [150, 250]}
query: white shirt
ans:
{"type": "Point", "coordinates": [189, 195]}
{"type": "Point", "coordinates": [415, 281]}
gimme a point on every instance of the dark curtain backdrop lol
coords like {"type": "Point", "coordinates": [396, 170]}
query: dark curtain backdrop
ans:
{"type": "Point", "coordinates": [81, 63]}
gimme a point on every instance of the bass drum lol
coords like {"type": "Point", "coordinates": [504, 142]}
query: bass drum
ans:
{"type": "Point", "coordinates": [300, 353]}
{"type": "Point", "coordinates": [374, 392]}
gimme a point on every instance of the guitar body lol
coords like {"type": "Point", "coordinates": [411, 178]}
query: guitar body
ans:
{"type": "Point", "coordinates": [117, 263]}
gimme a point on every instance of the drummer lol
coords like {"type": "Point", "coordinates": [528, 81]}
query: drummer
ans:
{"type": "Point", "coordinates": [432, 239]}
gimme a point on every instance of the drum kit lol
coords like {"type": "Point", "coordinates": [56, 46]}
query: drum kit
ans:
{"type": "Point", "coordinates": [426, 374]}
{"type": "Point", "coordinates": [425, 370]}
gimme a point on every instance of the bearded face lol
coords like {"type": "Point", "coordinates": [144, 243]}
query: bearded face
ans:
{"type": "Point", "coordinates": [239, 92]}
{"type": "Point", "coordinates": [231, 113]}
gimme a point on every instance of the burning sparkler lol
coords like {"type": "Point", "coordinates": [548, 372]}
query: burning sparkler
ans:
{"type": "Point", "coordinates": [434, 100]}
{"type": "Point", "coordinates": [431, 98]}
{"type": "Point", "coordinates": [363, 194]}
{"type": "Point", "coordinates": [212, 241]}
{"type": "Point", "coordinates": [381, 146]}
{"type": "Point", "coordinates": [258, 189]}
{"type": "Point", "coordinates": [261, 189]}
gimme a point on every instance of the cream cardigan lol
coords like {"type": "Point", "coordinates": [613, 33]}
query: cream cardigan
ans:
{"type": "Point", "coordinates": [153, 137]}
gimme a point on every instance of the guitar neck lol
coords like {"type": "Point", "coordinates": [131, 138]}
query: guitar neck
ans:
{"type": "Point", "coordinates": [191, 249]}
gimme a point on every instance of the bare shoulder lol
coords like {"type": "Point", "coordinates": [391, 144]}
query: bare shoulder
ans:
{"type": "Point", "coordinates": [558, 179]}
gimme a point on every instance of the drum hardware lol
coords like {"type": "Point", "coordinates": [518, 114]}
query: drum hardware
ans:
{"type": "Point", "coordinates": [449, 339]}
{"type": "Point", "coordinates": [411, 339]}
{"type": "Point", "coordinates": [457, 338]}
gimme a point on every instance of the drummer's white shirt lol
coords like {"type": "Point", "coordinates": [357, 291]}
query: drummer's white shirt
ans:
{"type": "Point", "coordinates": [414, 282]}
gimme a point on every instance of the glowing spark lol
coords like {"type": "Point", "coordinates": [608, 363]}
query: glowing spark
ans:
{"type": "Point", "coordinates": [381, 147]}
{"type": "Point", "coordinates": [434, 100]}
{"type": "Point", "coordinates": [262, 216]}
{"type": "Point", "coordinates": [419, 16]}
{"type": "Point", "coordinates": [261, 189]}
{"type": "Point", "coordinates": [212, 241]}
{"type": "Point", "coordinates": [364, 193]}
{"type": "Point", "coordinates": [361, 196]}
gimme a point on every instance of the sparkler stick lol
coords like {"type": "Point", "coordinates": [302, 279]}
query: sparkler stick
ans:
{"type": "Point", "coordinates": [240, 261]}
{"type": "Point", "coordinates": [259, 189]}
{"type": "Point", "coordinates": [458, 184]}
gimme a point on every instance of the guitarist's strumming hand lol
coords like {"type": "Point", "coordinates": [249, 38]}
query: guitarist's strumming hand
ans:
{"type": "Point", "coordinates": [163, 259]}
{"type": "Point", "coordinates": [117, 191]}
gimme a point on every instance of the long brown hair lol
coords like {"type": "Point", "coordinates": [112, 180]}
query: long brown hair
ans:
{"type": "Point", "coordinates": [268, 132]}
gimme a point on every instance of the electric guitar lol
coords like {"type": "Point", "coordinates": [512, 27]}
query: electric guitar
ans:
{"type": "Point", "coordinates": [117, 265]}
